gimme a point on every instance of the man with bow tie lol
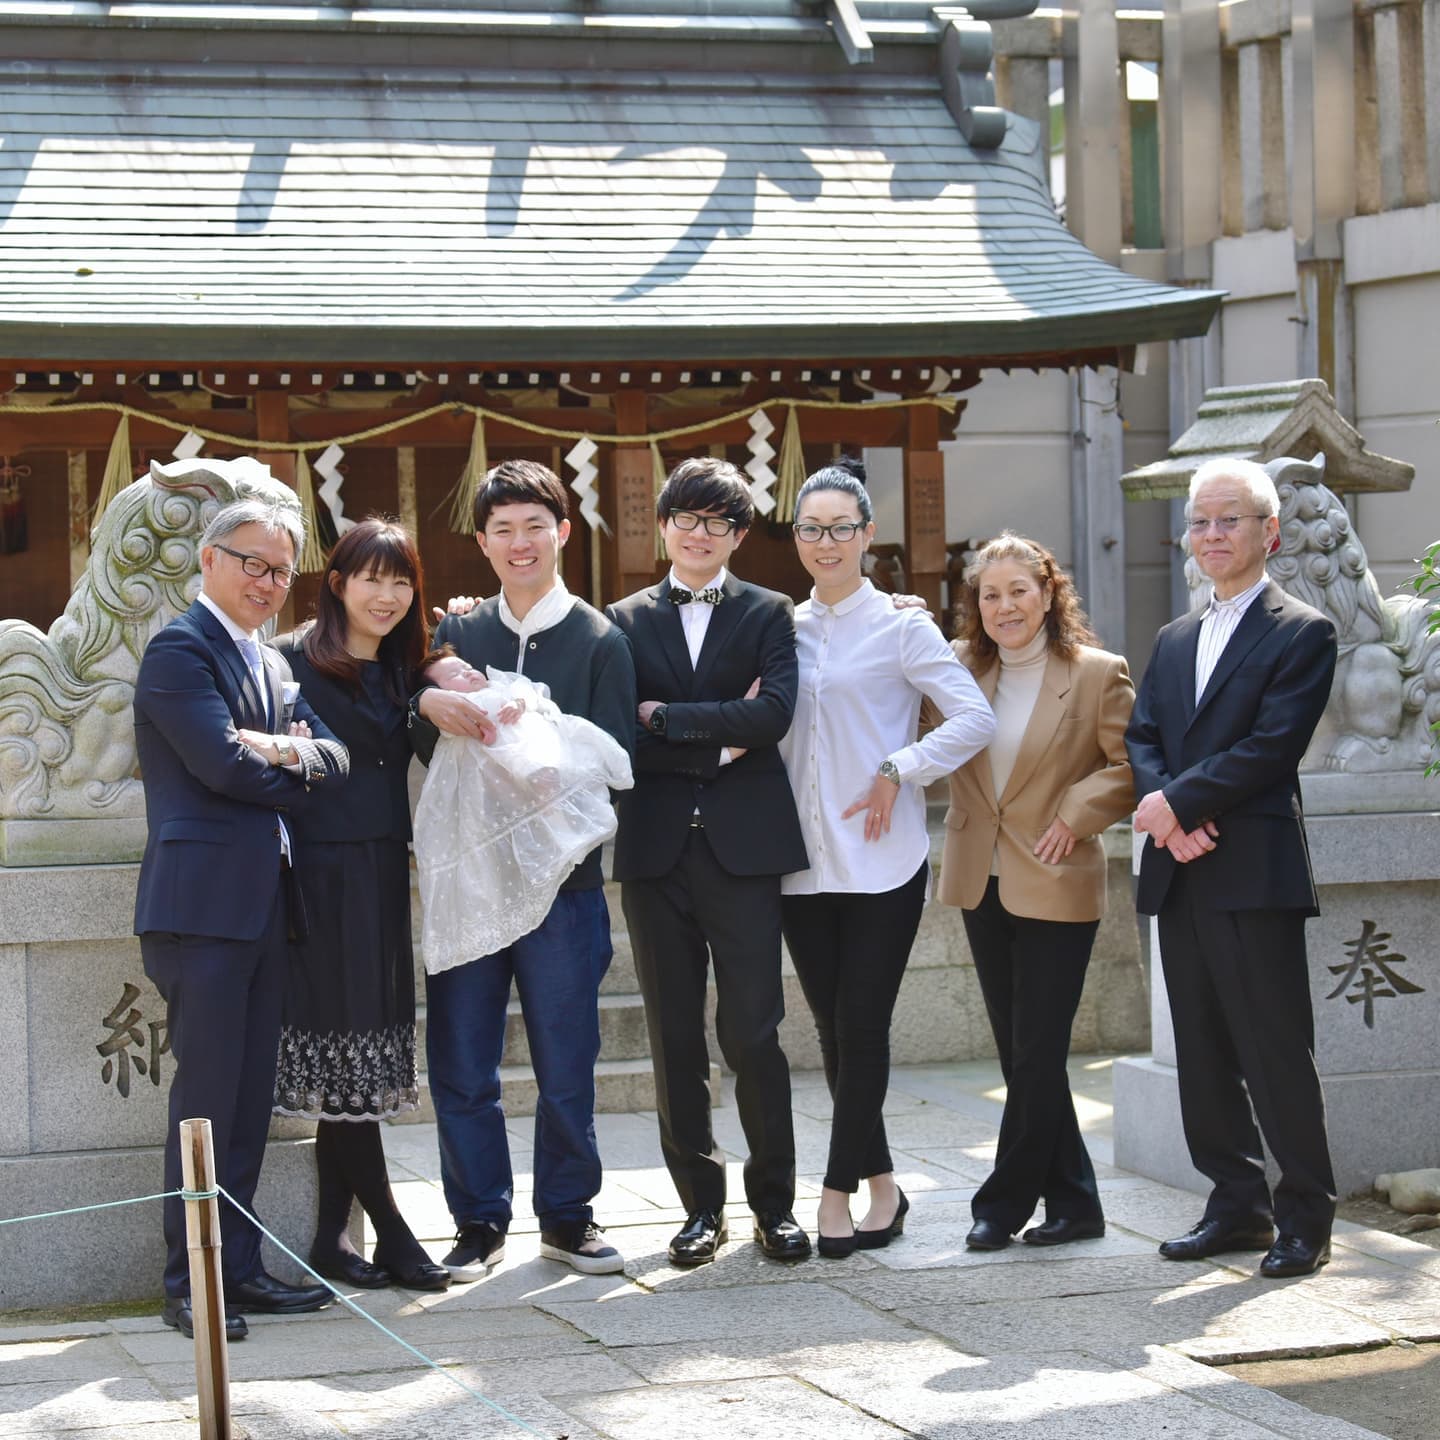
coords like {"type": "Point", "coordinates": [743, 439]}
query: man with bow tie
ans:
{"type": "Point", "coordinates": [704, 837]}
{"type": "Point", "coordinates": [1230, 699]}
{"type": "Point", "coordinates": [223, 758]}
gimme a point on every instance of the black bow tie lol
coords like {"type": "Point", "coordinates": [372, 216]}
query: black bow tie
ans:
{"type": "Point", "coordinates": [711, 596]}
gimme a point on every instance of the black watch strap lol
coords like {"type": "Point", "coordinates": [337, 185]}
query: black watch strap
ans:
{"type": "Point", "coordinates": [657, 719]}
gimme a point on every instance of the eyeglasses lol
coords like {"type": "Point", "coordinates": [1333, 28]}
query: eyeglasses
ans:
{"type": "Point", "coordinates": [257, 569]}
{"type": "Point", "coordinates": [1225, 524]}
{"type": "Point", "coordinates": [717, 525]}
{"type": "Point", "coordinates": [840, 532]}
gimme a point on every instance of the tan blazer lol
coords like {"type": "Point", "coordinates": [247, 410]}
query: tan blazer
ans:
{"type": "Point", "coordinates": [1072, 763]}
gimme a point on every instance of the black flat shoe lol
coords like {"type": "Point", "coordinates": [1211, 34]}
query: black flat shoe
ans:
{"type": "Point", "coordinates": [1293, 1255]}
{"type": "Point", "coordinates": [1062, 1230]}
{"type": "Point", "coordinates": [1217, 1237]}
{"type": "Point", "coordinates": [345, 1267]}
{"type": "Point", "coordinates": [836, 1247]}
{"type": "Point", "coordinates": [879, 1239]}
{"type": "Point", "coordinates": [176, 1313]}
{"type": "Point", "coordinates": [698, 1240]}
{"type": "Point", "coordinates": [987, 1235]}
{"type": "Point", "coordinates": [415, 1274]}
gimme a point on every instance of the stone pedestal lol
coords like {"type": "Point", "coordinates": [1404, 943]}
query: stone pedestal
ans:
{"type": "Point", "coordinates": [86, 1077]}
{"type": "Point", "coordinates": [1374, 984]}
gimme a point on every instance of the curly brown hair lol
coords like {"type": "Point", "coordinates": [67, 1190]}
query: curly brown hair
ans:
{"type": "Point", "coordinates": [1066, 621]}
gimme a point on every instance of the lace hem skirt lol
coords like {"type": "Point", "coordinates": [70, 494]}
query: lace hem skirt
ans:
{"type": "Point", "coordinates": [347, 1049]}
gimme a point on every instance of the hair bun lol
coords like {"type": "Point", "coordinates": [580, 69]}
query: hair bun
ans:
{"type": "Point", "coordinates": [851, 465]}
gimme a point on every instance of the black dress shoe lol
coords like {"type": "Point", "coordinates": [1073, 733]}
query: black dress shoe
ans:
{"type": "Point", "coordinates": [176, 1313]}
{"type": "Point", "coordinates": [879, 1239]}
{"type": "Point", "coordinates": [263, 1294]}
{"type": "Point", "coordinates": [1062, 1230]}
{"type": "Point", "coordinates": [987, 1235]}
{"type": "Point", "coordinates": [779, 1235]}
{"type": "Point", "coordinates": [1217, 1237]}
{"type": "Point", "coordinates": [345, 1267]}
{"type": "Point", "coordinates": [1293, 1255]}
{"type": "Point", "coordinates": [415, 1272]}
{"type": "Point", "coordinates": [699, 1238]}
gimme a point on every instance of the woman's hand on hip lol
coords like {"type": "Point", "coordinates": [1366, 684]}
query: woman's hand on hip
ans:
{"type": "Point", "coordinates": [877, 803]}
{"type": "Point", "coordinates": [1056, 843]}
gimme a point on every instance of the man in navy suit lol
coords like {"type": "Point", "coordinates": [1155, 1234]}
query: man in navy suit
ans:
{"type": "Point", "coordinates": [1225, 712]}
{"type": "Point", "coordinates": [221, 761]}
{"type": "Point", "coordinates": [704, 838]}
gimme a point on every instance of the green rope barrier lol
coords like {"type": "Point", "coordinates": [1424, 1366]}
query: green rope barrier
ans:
{"type": "Point", "coordinates": [383, 1329]}
{"type": "Point", "coordinates": [108, 1205]}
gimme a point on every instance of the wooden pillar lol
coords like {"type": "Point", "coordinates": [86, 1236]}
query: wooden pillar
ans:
{"type": "Point", "coordinates": [925, 506]}
{"type": "Point", "coordinates": [78, 477]}
{"type": "Point", "coordinates": [406, 508]}
{"type": "Point", "coordinates": [634, 472]}
{"type": "Point", "coordinates": [272, 422]}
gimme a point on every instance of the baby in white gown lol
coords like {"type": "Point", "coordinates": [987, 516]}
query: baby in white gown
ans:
{"type": "Point", "coordinates": [499, 827]}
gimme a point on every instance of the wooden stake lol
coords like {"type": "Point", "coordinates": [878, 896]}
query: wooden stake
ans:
{"type": "Point", "coordinates": [207, 1289]}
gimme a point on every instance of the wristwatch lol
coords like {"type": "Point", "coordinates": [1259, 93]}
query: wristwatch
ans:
{"type": "Point", "coordinates": [890, 771]}
{"type": "Point", "coordinates": [657, 719]}
{"type": "Point", "coordinates": [284, 750]}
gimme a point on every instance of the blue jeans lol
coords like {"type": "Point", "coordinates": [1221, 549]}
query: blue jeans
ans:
{"type": "Point", "coordinates": [557, 969]}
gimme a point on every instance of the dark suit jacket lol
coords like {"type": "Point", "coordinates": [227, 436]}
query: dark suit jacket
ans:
{"type": "Point", "coordinates": [1233, 754]}
{"type": "Point", "coordinates": [747, 807]}
{"type": "Point", "coordinates": [212, 857]}
{"type": "Point", "coordinates": [374, 803]}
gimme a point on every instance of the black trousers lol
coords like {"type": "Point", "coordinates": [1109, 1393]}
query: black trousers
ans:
{"type": "Point", "coordinates": [679, 923]}
{"type": "Point", "coordinates": [850, 952]}
{"type": "Point", "coordinates": [1032, 973]}
{"type": "Point", "coordinates": [223, 1000]}
{"type": "Point", "coordinates": [1245, 1036]}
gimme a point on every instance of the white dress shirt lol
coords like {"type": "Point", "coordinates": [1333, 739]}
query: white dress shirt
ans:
{"type": "Point", "coordinates": [1217, 625]}
{"type": "Point", "coordinates": [864, 668]}
{"type": "Point", "coordinates": [262, 684]}
{"type": "Point", "coordinates": [695, 621]}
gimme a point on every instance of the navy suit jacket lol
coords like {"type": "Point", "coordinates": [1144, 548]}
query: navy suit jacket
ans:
{"type": "Point", "coordinates": [747, 807]}
{"type": "Point", "coordinates": [212, 856]}
{"type": "Point", "coordinates": [1232, 755]}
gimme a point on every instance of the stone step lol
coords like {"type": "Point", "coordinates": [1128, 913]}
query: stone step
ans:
{"type": "Point", "coordinates": [622, 1030]}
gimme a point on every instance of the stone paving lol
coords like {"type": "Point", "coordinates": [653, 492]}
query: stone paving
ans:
{"type": "Point", "coordinates": [1098, 1339]}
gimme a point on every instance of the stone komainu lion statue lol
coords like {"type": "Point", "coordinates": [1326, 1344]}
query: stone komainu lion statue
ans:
{"type": "Point", "coordinates": [67, 742]}
{"type": "Point", "coordinates": [1386, 694]}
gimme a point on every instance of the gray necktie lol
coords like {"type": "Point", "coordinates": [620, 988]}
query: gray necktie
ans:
{"type": "Point", "coordinates": [251, 651]}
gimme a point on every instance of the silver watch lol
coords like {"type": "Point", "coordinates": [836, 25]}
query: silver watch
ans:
{"type": "Point", "coordinates": [890, 771]}
{"type": "Point", "coordinates": [284, 750]}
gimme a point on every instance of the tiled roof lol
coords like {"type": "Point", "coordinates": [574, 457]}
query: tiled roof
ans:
{"type": "Point", "coordinates": [318, 213]}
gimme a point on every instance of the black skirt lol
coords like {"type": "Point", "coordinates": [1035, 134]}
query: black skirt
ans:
{"type": "Point", "coordinates": [347, 1050]}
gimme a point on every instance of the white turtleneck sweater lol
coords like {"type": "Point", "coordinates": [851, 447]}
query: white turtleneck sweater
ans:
{"type": "Point", "coordinates": [1022, 672]}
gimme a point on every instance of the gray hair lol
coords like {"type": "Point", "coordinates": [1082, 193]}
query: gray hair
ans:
{"type": "Point", "coordinates": [272, 518]}
{"type": "Point", "coordinates": [1253, 477]}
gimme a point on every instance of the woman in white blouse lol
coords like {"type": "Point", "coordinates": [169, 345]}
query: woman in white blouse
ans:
{"type": "Point", "coordinates": [1023, 860]}
{"type": "Point", "coordinates": [858, 774]}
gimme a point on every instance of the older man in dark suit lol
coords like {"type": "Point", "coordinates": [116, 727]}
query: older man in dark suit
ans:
{"type": "Point", "coordinates": [1227, 707]}
{"type": "Point", "coordinates": [704, 837]}
{"type": "Point", "coordinates": [221, 761]}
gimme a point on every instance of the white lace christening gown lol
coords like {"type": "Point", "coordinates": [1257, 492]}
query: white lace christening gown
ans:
{"type": "Point", "coordinates": [499, 827]}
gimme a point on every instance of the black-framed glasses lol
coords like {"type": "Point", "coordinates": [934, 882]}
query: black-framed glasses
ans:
{"type": "Point", "coordinates": [257, 569]}
{"type": "Point", "coordinates": [717, 525]}
{"type": "Point", "coordinates": [840, 532]}
{"type": "Point", "coordinates": [1225, 524]}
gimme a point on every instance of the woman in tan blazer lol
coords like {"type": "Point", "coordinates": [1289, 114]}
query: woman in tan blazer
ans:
{"type": "Point", "coordinates": [1024, 861]}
